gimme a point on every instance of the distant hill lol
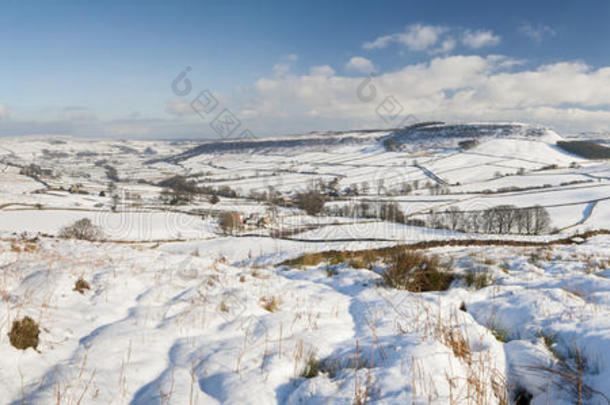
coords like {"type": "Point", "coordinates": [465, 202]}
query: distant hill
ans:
{"type": "Point", "coordinates": [422, 133]}
{"type": "Point", "coordinates": [427, 131]}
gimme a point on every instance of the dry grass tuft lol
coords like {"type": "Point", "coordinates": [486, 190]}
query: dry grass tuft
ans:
{"type": "Point", "coordinates": [81, 285]}
{"type": "Point", "coordinates": [24, 334]}
{"type": "Point", "coordinates": [571, 371]}
{"type": "Point", "coordinates": [308, 259]}
{"type": "Point", "coordinates": [456, 340]}
{"type": "Point", "coordinates": [478, 279]}
{"type": "Point", "coordinates": [27, 247]}
{"type": "Point", "coordinates": [271, 304]}
{"type": "Point", "coordinates": [312, 367]}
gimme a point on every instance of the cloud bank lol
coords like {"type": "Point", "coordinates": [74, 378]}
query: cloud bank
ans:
{"type": "Point", "coordinates": [568, 95]}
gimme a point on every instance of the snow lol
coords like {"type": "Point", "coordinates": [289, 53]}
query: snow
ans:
{"type": "Point", "coordinates": [127, 226]}
{"type": "Point", "coordinates": [192, 328]}
{"type": "Point", "coordinates": [179, 312]}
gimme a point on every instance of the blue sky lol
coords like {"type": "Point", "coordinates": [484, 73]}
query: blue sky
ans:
{"type": "Point", "coordinates": [105, 68]}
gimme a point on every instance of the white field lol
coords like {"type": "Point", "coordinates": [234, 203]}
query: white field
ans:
{"type": "Point", "coordinates": [165, 325]}
{"type": "Point", "coordinates": [175, 313]}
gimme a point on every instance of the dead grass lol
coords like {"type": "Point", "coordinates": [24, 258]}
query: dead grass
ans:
{"type": "Point", "coordinates": [308, 259]}
{"type": "Point", "coordinates": [312, 367]}
{"type": "Point", "coordinates": [416, 272]}
{"type": "Point", "coordinates": [24, 334]}
{"type": "Point", "coordinates": [271, 304]}
{"type": "Point", "coordinates": [313, 259]}
{"type": "Point", "coordinates": [570, 372]}
{"type": "Point", "coordinates": [81, 285]}
{"type": "Point", "coordinates": [26, 247]}
{"type": "Point", "coordinates": [478, 279]}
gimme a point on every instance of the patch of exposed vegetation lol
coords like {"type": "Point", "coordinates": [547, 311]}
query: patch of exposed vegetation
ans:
{"type": "Point", "coordinates": [416, 272]}
{"type": "Point", "coordinates": [271, 304]}
{"type": "Point", "coordinates": [24, 334]}
{"type": "Point", "coordinates": [478, 279]}
{"type": "Point", "coordinates": [312, 367]}
{"type": "Point", "coordinates": [81, 285]}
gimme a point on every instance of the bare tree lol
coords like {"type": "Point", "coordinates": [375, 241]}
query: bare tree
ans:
{"type": "Point", "coordinates": [229, 222]}
{"type": "Point", "coordinates": [311, 202]}
{"type": "Point", "coordinates": [455, 218]}
{"type": "Point", "coordinates": [542, 220]}
{"type": "Point", "coordinates": [82, 229]}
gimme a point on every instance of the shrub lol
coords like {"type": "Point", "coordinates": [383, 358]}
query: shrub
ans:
{"type": "Point", "coordinates": [82, 229]}
{"type": "Point", "coordinates": [24, 334]}
{"type": "Point", "coordinates": [416, 272]}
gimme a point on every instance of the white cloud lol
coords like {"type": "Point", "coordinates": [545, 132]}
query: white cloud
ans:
{"type": "Point", "coordinates": [451, 88]}
{"type": "Point", "coordinates": [480, 38]}
{"type": "Point", "coordinates": [284, 66]}
{"type": "Point", "coordinates": [360, 65]}
{"type": "Point", "coordinates": [324, 70]}
{"type": "Point", "coordinates": [281, 69]}
{"type": "Point", "coordinates": [417, 37]}
{"type": "Point", "coordinates": [3, 111]}
{"type": "Point", "coordinates": [447, 46]}
{"type": "Point", "coordinates": [570, 96]}
{"type": "Point", "coordinates": [537, 33]}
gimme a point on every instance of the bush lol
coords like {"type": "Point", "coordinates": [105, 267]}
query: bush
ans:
{"type": "Point", "coordinates": [311, 202]}
{"type": "Point", "coordinates": [416, 272]}
{"type": "Point", "coordinates": [83, 229]}
{"type": "Point", "coordinates": [24, 334]}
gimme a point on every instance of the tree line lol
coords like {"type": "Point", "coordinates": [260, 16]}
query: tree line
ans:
{"type": "Point", "coordinates": [502, 219]}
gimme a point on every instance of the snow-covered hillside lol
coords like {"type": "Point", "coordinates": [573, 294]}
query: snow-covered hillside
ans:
{"type": "Point", "coordinates": [282, 306]}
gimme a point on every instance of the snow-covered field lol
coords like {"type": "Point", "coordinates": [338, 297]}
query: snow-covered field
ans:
{"type": "Point", "coordinates": [179, 312]}
{"type": "Point", "coordinates": [164, 326]}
